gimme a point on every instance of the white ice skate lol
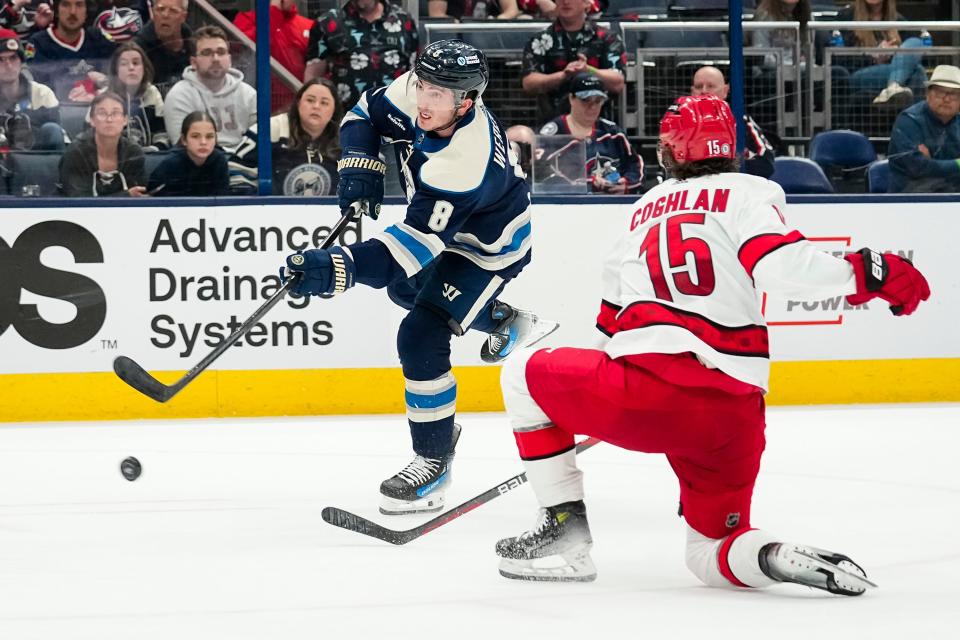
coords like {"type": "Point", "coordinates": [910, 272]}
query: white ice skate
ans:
{"type": "Point", "coordinates": [517, 329]}
{"type": "Point", "coordinates": [812, 567]}
{"type": "Point", "coordinates": [420, 486]}
{"type": "Point", "coordinates": [557, 549]}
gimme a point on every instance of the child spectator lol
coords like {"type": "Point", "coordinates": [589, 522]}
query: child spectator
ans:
{"type": "Point", "coordinates": [305, 143]}
{"type": "Point", "coordinates": [211, 84]}
{"type": "Point", "coordinates": [131, 78]}
{"type": "Point", "coordinates": [196, 167]}
{"type": "Point", "coordinates": [289, 36]}
{"type": "Point", "coordinates": [165, 40]}
{"type": "Point", "coordinates": [102, 162]}
{"type": "Point", "coordinates": [29, 111]}
{"type": "Point", "coordinates": [612, 165]}
{"type": "Point", "coordinates": [67, 57]}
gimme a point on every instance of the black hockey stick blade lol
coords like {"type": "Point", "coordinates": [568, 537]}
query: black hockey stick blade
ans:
{"type": "Point", "coordinates": [135, 376]}
{"type": "Point", "coordinates": [352, 522]}
{"type": "Point", "coordinates": [138, 378]}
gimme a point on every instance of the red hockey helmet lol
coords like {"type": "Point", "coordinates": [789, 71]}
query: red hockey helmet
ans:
{"type": "Point", "coordinates": [699, 128]}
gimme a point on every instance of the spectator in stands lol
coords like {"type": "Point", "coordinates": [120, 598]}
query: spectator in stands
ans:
{"type": "Point", "coordinates": [523, 142]}
{"type": "Point", "coordinates": [530, 9]}
{"type": "Point", "coordinates": [101, 162]}
{"type": "Point", "coordinates": [924, 148]}
{"type": "Point", "coordinates": [211, 84]}
{"type": "Point", "coordinates": [166, 40]}
{"type": "Point", "coordinates": [196, 167]}
{"type": "Point", "coordinates": [305, 143]}
{"type": "Point", "coordinates": [29, 111]}
{"type": "Point", "coordinates": [612, 165]}
{"type": "Point", "coordinates": [131, 77]}
{"type": "Point", "coordinates": [784, 39]}
{"type": "Point", "coordinates": [365, 44]}
{"type": "Point", "coordinates": [758, 154]}
{"type": "Point", "coordinates": [67, 57]}
{"type": "Point", "coordinates": [894, 77]}
{"type": "Point", "coordinates": [569, 46]}
{"type": "Point", "coordinates": [121, 20]}
{"type": "Point", "coordinates": [23, 18]}
{"type": "Point", "coordinates": [289, 36]}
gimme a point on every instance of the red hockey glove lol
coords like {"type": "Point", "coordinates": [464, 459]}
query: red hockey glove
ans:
{"type": "Point", "coordinates": [890, 277]}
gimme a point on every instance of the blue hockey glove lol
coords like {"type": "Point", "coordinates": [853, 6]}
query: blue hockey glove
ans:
{"type": "Point", "coordinates": [361, 178]}
{"type": "Point", "coordinates": [324, 271]}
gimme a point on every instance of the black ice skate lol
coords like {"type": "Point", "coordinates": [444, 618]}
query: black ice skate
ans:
{"type": "Point", "coordinates": [812, 567]}
{"type": "Point", "coordinates": [557, 549]}
{"type": "Point", "coordinates": [517, 329]}
{"type": "Point", "coordinates": [419, 487]}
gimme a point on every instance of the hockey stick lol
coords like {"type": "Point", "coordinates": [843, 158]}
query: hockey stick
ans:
{"type": "Point", "coordinates": [352, 522]}
{"type": "Point", "coordinates": [137, 377]}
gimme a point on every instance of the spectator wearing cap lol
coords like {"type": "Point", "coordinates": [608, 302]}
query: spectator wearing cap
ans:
{"type": "Point", "coordinates": [758, 154]}
{"type": "Point", "coordinates": [289, 36]}
{"type": "Point", "coordinates": [571, 45]}
{"type": "Point", "coordinates": [924, 148]}
{"type": "Point", "coordinates": [15, 16]}
{"type": "Point", "coordinates": [612, 165]}
{"type": "Point", "coordinates": [363, 45]}
{"type": "Point", "coordinates": [165, 39]}
{"type": "Point", "coordinates": [29, 111]}
{"type": "Point", "coordinates": [68, 57]}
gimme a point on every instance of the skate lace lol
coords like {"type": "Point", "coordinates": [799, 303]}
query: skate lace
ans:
{"type": "Point", "coordinates": [496, 342]}
{"type": "Point", "coordinates": [420, 470]}
{"type": "Point", "coordinates": [543, 521]}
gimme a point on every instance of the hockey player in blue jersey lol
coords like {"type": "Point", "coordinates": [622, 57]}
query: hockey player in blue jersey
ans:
{"type": "Point", "coordinates": [465, 235]}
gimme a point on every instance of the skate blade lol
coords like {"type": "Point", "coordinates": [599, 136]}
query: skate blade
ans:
{"type": "Point", "coordinates": [393, 507]}
{"type": "Point", "coordinates": [572, 566]}
{"type": "Point", "coordinates": [539, 329]}
{"type": "Point", "coordinates": [856, 578]}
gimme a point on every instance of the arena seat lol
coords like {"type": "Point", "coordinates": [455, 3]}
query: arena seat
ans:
{"type": "Point", "coordinates": [878, 176]}
{"type": "Point", "coordinates": [844, 156]}
{"type": "Point", "coordinates": [152, 160]}
{"type": "Point", "coordinates": [73, 118]}
{"type": "Point", "coordinates": [34, 173]}
{"type": "Point", "coordinates": [800, 175]}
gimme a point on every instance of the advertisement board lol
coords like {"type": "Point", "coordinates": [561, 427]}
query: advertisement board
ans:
{"type": "Point", "coordinates": [164, 285]}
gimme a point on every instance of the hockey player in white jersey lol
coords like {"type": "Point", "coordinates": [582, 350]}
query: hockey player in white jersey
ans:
{"type": "Point", "coordinates": [686, 364]}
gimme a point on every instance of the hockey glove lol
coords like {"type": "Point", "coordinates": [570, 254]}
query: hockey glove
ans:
{"type": "Point", "coordinates": [889, 277]}
{"type": "Point", "coordinates": [325, 271]}
{"type": "Point", "coordinates": [361, 178]}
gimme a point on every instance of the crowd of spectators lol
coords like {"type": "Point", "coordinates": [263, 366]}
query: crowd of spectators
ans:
{"type": "Point", "coordinates": [152, 83]}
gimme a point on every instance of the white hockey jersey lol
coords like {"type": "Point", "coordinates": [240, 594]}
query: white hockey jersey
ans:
{"type": "Point", "coordinates": [687, 272]}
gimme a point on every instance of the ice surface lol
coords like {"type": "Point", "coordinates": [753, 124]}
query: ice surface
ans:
{"type": "Point", "coordinates": [221, 537]}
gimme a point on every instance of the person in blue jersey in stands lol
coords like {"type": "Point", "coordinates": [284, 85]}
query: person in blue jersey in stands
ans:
{"type": "Point", "coordinates": [465, 235]}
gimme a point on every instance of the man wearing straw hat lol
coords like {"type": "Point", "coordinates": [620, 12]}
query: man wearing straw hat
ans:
{"type": "Point", "coordinates": [925, 144]}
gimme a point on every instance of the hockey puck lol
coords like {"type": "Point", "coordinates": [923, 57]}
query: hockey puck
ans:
{"type": "Point", "coordinates": [130, 468]}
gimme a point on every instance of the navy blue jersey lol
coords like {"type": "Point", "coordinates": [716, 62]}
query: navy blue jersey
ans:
{"type": "Point", "coordinates": [467, 194]}
{"type": "Point", "coordinates": [61, 65]}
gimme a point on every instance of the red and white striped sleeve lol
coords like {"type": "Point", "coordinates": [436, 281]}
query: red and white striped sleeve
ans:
{"type": "Point", "coordinates": [779, 259]}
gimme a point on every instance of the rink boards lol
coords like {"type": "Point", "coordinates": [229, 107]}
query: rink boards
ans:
{"type": "Point", "coordinates": [163, 285]}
